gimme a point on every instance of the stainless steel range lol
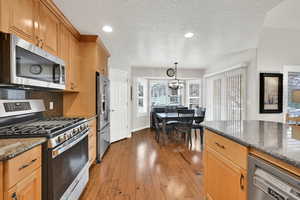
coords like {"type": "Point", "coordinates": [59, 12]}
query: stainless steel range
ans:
{"type": "Point", "coordinates": [65, 155]}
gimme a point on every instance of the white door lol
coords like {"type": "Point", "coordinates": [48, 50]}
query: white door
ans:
{"type": "Point", "coordinates": [119, 105]}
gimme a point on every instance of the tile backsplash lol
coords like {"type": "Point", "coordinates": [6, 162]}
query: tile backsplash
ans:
{"type": "Point", "coordinates": [55, 97]}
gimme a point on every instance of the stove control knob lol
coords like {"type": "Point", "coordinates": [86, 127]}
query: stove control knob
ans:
{"type": "Point", "coordinates": [82, 127]}
{"type": "Point", "coordinates": [74, 131]}
{"type": "Point", "coordinates": [61, 138]}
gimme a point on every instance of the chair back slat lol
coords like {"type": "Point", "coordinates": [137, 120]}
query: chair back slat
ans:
{"type": "Point", "coordinates": [186, 116]}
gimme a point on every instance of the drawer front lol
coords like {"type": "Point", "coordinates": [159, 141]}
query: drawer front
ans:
{"type": "Point", "coordinates": [231, 150]}
{"type": "Point", "coordinates": [21, 166]}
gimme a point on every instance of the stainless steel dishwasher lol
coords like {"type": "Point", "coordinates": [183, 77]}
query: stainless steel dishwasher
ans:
{"type": "Point", "coordinates": [268, 182]}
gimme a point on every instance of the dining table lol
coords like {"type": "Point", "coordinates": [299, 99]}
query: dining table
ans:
{"type": "Point", "coordinates": [165, 117]}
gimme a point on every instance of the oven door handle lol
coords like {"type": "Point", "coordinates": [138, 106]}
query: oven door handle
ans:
{"type": "Point", "coordinates": [59, 150]}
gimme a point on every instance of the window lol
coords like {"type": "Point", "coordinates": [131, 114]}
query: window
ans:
{"type": "Point", "coordinates": [194, 94]}
{"type": "Point", "coordinates": [142, 85]}
{"type": "Point", "coordinates": [161, 94]}
{"type": "Point", "coordinates": [225, 95]}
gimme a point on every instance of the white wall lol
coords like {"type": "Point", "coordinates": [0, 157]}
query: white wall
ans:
{"type": "Point", "coordinates": [278, 47]}
{"type": "Point", "coordinates": [140, 122]}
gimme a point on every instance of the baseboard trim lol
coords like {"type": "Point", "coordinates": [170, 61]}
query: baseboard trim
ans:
{"type": "Point", "coordinates": [139, 129]}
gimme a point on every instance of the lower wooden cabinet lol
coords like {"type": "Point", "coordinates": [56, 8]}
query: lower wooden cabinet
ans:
{"type": "Point", "coordinates": [21, 177]}
{"type": "Point", "coordinates": [92, 141]}
{"type": "Point", "coordinates": [27, 189]}
{"type": "Point", "coordinates": [225, 170]}
{"type": "Point", "coordinates": [224, 180]}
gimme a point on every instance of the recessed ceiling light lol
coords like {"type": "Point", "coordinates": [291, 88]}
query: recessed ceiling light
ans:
{"type": "Point", "coordinates": [189, 35]}
{"type": "Point", "coordinates": [107, 29]}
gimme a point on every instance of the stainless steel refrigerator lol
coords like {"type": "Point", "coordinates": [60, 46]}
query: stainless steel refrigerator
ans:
{"type": "Point", "coordinates": [103, 115]}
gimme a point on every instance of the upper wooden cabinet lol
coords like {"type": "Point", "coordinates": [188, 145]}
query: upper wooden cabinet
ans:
{"type": "Point", "coordinates": [22, 16]}
{"type": "Point", "coordinates": [48, 29]}
{"type": "Point", "coordinates": [102, 60]}
{"type": "Point", "coordinates": [69, 52]}
{"type": "Point", "coordinates": [33, 21]}
{"type": "Point", "coordinates": [74, 63]}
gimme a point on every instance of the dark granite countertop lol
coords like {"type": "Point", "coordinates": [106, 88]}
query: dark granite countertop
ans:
{"type": "Point", "coordinates": [10, 148]}
{"type": "Point", "coordinates": [276, 139]}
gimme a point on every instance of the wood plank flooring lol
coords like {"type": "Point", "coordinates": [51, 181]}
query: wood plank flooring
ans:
{"type": "Point", "coordinates": [140, 169]}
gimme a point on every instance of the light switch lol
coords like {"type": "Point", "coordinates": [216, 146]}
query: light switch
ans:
{"type": "Point", "coordinates": [51, 105]}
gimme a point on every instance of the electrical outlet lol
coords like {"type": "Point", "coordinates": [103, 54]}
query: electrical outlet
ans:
{"type": "Point", "coordinates": [51, 105]}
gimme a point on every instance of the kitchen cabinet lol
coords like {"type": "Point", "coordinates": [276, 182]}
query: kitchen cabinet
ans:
{"type": "Point", "coordinates": [102, 60]}
{"type": "Point", "coordinates": [22, 16]}
{"type": "Point", "coordinates": [74, 63]}
{"type": "Point", "coordinates": [92, 141]}
{"type": "Point", "coordinates": [27, 189]}
{"type": "Point", "coordinates": [69, 52]}
{"type": "Point", "coordinates": [48, 30]}
{"type": "Point", "coordinates": [22, 176]}
{"type": "Point", "coordinates": [33, 21]}
{"type": "Point", "coordinates": [225, 168]}
{"type": "Point", "coordinates": [224, 180]}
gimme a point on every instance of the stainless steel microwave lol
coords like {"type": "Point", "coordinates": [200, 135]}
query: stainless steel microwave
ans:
{"type": "Point", "coordinates": [22, 63]}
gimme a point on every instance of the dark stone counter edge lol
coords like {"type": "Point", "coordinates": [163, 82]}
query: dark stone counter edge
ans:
{"type": "Point", "coordinates": [295, 163]}
{"type": "Point", "coordinates": [9, 156]}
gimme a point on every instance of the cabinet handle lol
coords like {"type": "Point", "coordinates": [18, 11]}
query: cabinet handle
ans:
{"type": "Point", "coordinates": [219, 145]}
{"type": "Point", "coordinates": [14, 196]}
{"type": "Point", "coordinates": [242, 178]}
{"type": "Point", "coordinates": [27, 165]}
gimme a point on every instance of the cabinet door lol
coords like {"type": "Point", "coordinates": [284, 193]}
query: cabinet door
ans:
{"type": "Point", "coordinates": [92, 141]}
{"type": "Point", "coordinates": [48, 30]}
{"type": "Point", "coordinates": [74, 63]}
{"type": "Point", "coordinates": [223, 180]}
{"type": "Point", "coordinates": [64, 50]}
{"type": "Point", "coordinates": [27, 189]}
{"type": "Point", "coordinates": [22, 16]}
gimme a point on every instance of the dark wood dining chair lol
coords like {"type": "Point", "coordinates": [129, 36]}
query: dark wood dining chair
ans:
{"type": "Point", "coordinates": [157, 128]}
{"type": "Point", "coordinates": [185, 122]}
{"type": "Point", "coordinates": [197, 123]}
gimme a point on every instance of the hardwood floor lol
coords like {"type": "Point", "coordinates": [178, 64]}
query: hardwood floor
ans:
{"type": "Point", "coordinates": [140, 169]}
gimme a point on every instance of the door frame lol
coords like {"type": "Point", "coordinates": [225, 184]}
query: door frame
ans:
{"type": "Point", "coordinates": [286, 70]}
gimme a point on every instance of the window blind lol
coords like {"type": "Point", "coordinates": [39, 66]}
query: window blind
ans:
{"type": "Point", "coordinates": [225, 95]}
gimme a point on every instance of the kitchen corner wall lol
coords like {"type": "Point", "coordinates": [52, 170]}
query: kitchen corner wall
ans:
{"type": "Point", "coordinates": [55, 97]}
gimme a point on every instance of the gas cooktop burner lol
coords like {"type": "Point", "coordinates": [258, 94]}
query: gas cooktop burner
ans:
{"type": "Point", "coordinates": [41, 127]}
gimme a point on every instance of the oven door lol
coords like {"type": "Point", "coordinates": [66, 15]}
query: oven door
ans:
{"type": "Point", "coordinates": [66, 163]}
{"type": "Point", "coordinates": [33, 66]}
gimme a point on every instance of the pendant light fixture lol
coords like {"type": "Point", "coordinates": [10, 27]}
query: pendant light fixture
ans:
{"type": "Point", "coordinates": [175, 84]}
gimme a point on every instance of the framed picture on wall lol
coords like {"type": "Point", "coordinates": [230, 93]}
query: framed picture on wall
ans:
{"type": "Point", "coordinates": [271, 86]}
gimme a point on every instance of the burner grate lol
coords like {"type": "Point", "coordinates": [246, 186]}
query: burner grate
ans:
{"type": "Point", "coordinates": [41, 127]}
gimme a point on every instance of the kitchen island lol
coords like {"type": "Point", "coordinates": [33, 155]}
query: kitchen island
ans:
{"type": "Point", "coordinates": [228, 145]}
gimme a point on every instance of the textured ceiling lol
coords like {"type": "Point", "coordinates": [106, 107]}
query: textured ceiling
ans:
{"type": "Point", "coordinates": [150, 32]}
{"type": "Point", "coordinates": [286, 15]}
